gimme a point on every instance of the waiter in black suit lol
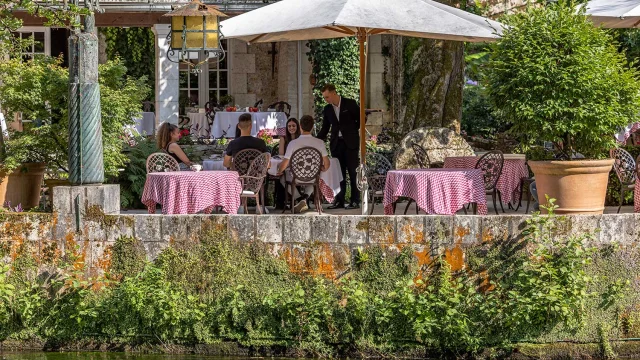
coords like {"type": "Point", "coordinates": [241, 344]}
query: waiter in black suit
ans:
{"type": "Point", "coordinates": [341, 117]}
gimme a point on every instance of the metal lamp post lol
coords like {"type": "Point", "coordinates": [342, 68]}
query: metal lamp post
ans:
{"type": "Point", "coordinates": [195, 27]}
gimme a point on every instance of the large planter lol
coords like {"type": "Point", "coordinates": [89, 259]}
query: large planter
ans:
{"type": "Point", "coordinates": [579, 186]}
{"type": "Point", "coordinates": [22, 186]}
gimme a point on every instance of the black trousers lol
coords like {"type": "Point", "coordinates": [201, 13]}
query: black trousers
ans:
{"type": "Point", "coordinates": [349, 162]}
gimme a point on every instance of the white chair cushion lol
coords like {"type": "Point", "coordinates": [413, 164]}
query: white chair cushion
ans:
{"type": "Point", "coordinates": [246, 192]}
{"type": "Point", "coordinates": [379, 192]}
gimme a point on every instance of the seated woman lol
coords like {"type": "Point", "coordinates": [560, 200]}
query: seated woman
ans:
{"type": "Point", "coordinates": [168, 136]}
{"type": "Point", "coordinates": [292, 133]}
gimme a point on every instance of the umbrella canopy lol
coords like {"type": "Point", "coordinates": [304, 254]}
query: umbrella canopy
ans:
{"type": "Point", "coordinates": [292, 20]}
{"type": "Point", "coordinates": [614, 13]}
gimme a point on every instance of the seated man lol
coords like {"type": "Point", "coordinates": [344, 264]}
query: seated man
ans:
{"type": "Point", "coordinates": [305, 140]}
{"type": "Point", "coordinates": [245, 141]}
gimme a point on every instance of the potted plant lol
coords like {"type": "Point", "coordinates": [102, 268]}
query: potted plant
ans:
{"type": "Point", "coordinates": [559, 79]}
{"type": "Point", "coordinates": [39, 90]}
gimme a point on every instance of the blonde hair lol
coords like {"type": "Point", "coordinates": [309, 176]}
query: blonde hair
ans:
{"type": "Point", "coordinates": [164, 134]}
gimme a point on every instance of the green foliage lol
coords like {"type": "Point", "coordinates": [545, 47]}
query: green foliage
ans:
{"type": "Point", "coordinates": [39, 89]}
{"type": "Point", "coordinates": [337, 62]}
{"type": "Point", "coordinates": [135, 47]}
{"type": "Point", "coordinates": [478, 118]}
{"type": "Point", "coordinates": [133, 177]}
{"type": "Point", "coordinates": [557, 78]}
{"type": "Point", "coordinates": [220, 289]}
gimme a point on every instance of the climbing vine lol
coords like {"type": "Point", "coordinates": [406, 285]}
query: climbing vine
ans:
{"type": "Point", "coordinates": [135, 47]}
{"type": "Point", "coordinates": [335, 61]}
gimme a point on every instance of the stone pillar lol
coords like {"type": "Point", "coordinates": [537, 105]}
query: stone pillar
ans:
{"type": "Point", "coordinates": [102, 48]}
{"type": "Point", "coordinates": [167, 78]}
{"type": "Point", "coordinates": [375, 74]}
{"type": "Point", "coordinates": [288, 75]}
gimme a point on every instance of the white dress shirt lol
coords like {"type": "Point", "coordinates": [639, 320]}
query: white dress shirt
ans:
{"type": "Point", "coordinates": [336, 109]}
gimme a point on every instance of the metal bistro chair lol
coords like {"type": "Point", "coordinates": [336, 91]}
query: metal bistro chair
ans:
{"type": "Point", "coordinates": [243, 159]}
{"type": "Point", "coordinates": [491, 165]}
{"type": "Point", "coordinates": [422, 158]}
{"type": "Point", "coordinates": [161, 162]}
{"type": "Point", "coordinates": [305, 167]}
{"type": "Point", "coordinates": [625, 168]}
{"type": "Point", "coordinates": [377, 168]}
{"type": "Point", "coordinates": [281, 106]}
{"type": "Point", "coordinates": [210, 110]}
{"type": "Point", "coordinates": [253, 181]}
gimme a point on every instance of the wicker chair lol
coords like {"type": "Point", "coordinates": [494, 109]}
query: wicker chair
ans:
{"type": "Point", "coordinates": [491, 165]}
{"type": "Point", "coordinates": [161, 162]}
{"type": "Point", "coordinates": [377, 168]}
{"type": "Point", "coordinates": [422, 158]}
{"type": "Point", "coordinates": [305, 164]}
{"type": "Point", "coordinates": [625, 169]}
{"type": "Point", "coordinates": [243, 159]}
{"type": "Point", "coordinates": [147, 106]}
{"type": "Point", "coordinates": [253, 181]}
{"type": "Point", "coordinates": [282, 106]}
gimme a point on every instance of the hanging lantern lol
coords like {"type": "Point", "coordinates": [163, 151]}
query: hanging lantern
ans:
{"type": "Point", "coordinates": [195, 27]}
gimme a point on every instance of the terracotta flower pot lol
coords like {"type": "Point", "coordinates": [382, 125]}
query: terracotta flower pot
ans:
{"type": "Point", "coordinates": [22, 186]}
{"type": "Point", "coordinates": [579, 186]}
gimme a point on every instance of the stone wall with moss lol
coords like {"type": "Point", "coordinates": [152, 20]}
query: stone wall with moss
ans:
{"type": "Point", "coordinates": [332, 247]}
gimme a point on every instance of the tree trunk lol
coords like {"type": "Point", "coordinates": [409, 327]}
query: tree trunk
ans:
{"type": "Point", "coordinates": [433, 79]}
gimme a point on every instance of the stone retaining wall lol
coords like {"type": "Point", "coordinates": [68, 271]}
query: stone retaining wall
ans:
{"type": "Point", "coordinates": [311, 244]}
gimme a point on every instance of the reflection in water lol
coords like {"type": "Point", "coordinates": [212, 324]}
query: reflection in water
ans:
{"type": "Point", "coordinates": [102, 356]}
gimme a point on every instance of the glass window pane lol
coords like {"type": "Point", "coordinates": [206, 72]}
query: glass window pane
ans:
{"type": "Point", "coordinates": [213, 96]}
{"type": "Point", "coordinates": [184, 79]}
{"type": "Point", "coordinates": [223, 93]}
{"type": "Point", "coordinates": [26, 57]}
{"type": "Point", "coordinates": [183, 66]}
{"type": "Point", "coordinates": [224, 83]}
{"type": "Point", "coordinates": [213, 63]}
{"type": "Point", "coordinates": [193, 97]}
{"type": "Point", "coordinates": [223, 63]}
{"type": "Point", "coordinates": [213, 79]}
{"type": "Point", "coordinates": [193, 80]}
{"type": "Point", "coordinates": [38, 38]}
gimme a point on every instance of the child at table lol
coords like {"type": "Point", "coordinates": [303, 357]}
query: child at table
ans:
{"type": "Point", "coordinates": [168, 136]}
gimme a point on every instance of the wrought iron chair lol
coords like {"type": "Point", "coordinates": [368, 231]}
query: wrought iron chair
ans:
{"type": "Point", "coordinates": [210, 110]}
{"type": "Point", "coordinates": [253, 181]}
{"type": "Point", "coordinates": [377, 168]}
{"type": "Point", "coordinates": [491, 165]}
{"type": "Point", "coordinates": [305, 164]}
{"type": "Point", "coordinates": [243, 159]}
{"type": "Point", "coordinates": [282, 106]}
{"type": "Point", "coordinates": [422, 158]}
{"type": "Point", "coordinates": [625, 168]}
{"type": "Point", "coordinates": [161, 162]}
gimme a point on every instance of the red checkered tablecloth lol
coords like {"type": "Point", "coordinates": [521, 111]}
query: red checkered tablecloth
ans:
{"type": "Point", "coordinates": [189, 192]}
{"type": "Point", "coordinates": [436, 191]}
{"type": "Point", "coordinates": [508, 183]}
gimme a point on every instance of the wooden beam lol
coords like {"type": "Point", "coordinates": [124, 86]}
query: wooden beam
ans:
{"type": "Point", "coordinates": [256, 38]}
{"type": "Point", "coordinates": [346, 29]}
{"type": "Point", "coordinates": [350, 33]}
{"type": "Point", "coordinates": [377, 31]}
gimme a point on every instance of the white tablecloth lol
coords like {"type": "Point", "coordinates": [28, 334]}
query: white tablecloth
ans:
{"type": "Point", "coordinates": [213, 165]}
{"type": "Point", "coordinates": [146, 123]}
{"type": "Point", "coordinates": [224, 123]}
{"type": "Point", "coordinates": [199, 125]}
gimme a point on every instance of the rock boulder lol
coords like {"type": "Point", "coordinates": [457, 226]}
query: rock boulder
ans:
{"type": "Point", "coordinates": [439, 143]}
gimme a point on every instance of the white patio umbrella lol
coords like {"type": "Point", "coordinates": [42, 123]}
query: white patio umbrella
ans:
{"type": "Point", "coordinates": [614, 13]}
{"type": "Point", "coordinates": [292, 20]}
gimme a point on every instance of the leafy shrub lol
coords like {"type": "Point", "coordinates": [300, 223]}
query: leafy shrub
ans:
{"type": "Point", "coordinates": [557, 78]}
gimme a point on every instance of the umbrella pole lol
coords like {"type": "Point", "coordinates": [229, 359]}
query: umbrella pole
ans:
{"type": "Point", "coordinates": [363, 185]}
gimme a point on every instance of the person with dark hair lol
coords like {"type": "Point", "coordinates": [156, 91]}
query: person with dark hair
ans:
{"type": "Point", "coordinates": [341, 119]}
{"type": "Point", "coordinates": [238, 132]}
{"type": "Point", "coordinates": [167, 140]}
{"type": "Point", "coordinates": [292, 133]}
{"type": "Point", "coordinates": [245, 141]}
{"type": "Point", "coordinates": [305, 140]}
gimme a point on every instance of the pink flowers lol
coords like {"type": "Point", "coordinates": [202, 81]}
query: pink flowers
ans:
{"type": "Point", "coordinates": [265, 135]}
{"type": "Point", "coordinates": [184, 132]}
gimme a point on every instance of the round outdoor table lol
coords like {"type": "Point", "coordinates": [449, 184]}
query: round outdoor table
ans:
{"type": "Point", "coordinates": [188, 192]}
{"type": "Point", "coordinates": [213, 165]}
{"type": "Point", "coordinates": [514, 169]}
{"type": "Point", "coordinates": [436, 191]}
{"type": "Point", "coordinates": [199, 125]}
